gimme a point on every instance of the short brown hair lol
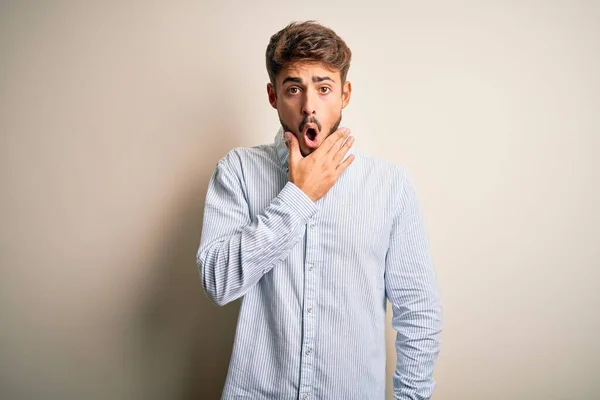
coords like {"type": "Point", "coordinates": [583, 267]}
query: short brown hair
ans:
{"type": "Point", "coordinates": [307, 42]}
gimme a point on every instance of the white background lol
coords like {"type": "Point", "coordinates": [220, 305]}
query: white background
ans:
{"type": "Point", "coordinates": [112, 118]}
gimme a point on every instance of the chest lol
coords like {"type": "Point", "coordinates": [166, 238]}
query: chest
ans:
{"type": "Point", "coordinates": [354, 218]}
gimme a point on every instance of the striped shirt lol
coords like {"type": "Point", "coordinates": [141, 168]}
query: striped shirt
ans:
{"type": "Point", "coordinates": [314, 278]}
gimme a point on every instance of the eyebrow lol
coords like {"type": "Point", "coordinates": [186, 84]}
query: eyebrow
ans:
{"type": "Point", "coordinates": [322, 78]}
{"type": "Point", "coordinates": [315, 79]}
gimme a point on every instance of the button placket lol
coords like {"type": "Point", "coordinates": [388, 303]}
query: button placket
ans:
{"type": "Point", "coordinates": [308, 314]}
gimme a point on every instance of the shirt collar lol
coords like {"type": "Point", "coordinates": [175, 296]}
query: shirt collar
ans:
{"type": "Point", "coordinates": [283, 152]}
{"type": "Point", "coordinates": [281, 148]}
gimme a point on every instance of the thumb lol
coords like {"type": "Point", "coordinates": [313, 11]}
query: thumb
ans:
{"type": "Point", "coordinates": [292, 144]}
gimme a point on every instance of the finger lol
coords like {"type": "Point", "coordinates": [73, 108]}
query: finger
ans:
{"type": "Point", "coordinates": [336, 137]}
{"type": "Point", "coordinates": [292, 144]}
{"type": "Point", "coordinates": [341, 152]}
{"type": "Point", "coordinates": [340, 168]}
{"type": "Point", "coordinates": [339, 142]}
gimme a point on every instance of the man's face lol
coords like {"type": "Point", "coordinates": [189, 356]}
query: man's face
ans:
{"type": "Point", "coordinates": [309, 99]}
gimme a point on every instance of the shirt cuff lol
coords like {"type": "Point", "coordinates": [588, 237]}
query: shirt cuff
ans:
{"type": "Point", "coordinates": [298, 201]}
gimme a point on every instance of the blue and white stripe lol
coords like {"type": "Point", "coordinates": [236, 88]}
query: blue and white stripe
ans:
{"type": "Point", "coordinates": [314, 278]}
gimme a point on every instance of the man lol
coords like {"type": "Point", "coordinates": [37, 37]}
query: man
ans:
{"type": "Point", "coordinates": [315, 237]}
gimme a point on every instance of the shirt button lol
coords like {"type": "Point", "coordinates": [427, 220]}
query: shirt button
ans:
{"type": "Point", "coordinates": [310, 267]}
{"type": "Point", "coordinates": [309, 310]}
{"type": "Point", "coordinates": [308, 351]}
{"type": "Point", "coordinates": [304, 396]}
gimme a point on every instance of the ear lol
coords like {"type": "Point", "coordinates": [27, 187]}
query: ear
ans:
{"type": "Point", "coordinates": [346, 93]}
{"type": "Point", "coordinates": [272, 95]}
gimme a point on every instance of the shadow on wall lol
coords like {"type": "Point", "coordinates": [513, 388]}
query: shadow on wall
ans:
{"type": "Point", "coordinates": [185, 341]}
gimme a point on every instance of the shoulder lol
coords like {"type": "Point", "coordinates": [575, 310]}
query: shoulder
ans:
{"type": "Point", "coordinates": [241, 158]}
{"type": "Point", "coordinates": [390, 180]}
{"type": "Point", "coordinates": [376, 167]}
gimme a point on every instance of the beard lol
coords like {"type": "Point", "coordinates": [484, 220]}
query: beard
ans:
{"type": "Point", "coordinates": [312, 120]}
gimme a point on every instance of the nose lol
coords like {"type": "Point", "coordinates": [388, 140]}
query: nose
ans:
{"type": "Point", "coordinates": [308, 105]}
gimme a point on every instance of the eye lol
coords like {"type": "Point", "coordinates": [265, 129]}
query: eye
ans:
{"type": "Point", "coordinates": [293, 90]}
{"type": "Point", "coordinates": [325, 89]}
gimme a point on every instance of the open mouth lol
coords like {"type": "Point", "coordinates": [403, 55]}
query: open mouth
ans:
{"type": "Point", "coordinates": [311, 133]}
{"type": "Point", "coordinates": [310, 138]}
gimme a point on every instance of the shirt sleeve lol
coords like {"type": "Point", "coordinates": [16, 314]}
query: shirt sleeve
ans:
{"type": "Point", "coordinates": [235, 251]}
{"type": "Point", "coordinates": [411, 286]}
